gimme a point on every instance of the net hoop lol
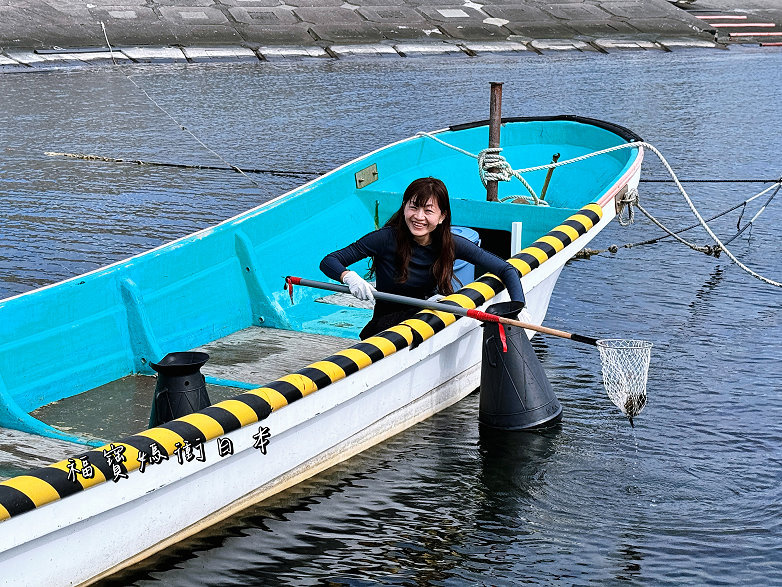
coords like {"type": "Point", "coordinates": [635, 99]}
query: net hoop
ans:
{"type": "Point", "coordinates": [625, 366]}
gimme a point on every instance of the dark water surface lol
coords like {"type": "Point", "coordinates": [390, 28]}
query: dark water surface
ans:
{"type": "Point", "coordinates": [693, 495]}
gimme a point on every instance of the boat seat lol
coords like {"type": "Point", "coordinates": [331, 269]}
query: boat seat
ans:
{"type": "Point", "coordinates": [347, 300]}
{"type": "Point", "coordinates": [243, 360]}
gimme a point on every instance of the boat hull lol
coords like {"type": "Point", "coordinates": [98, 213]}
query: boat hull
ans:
{"type": "Point", "coordinates": [407, 374]}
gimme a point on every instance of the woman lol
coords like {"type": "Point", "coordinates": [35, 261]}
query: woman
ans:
{"type": "Point", "coordinates": [413, 255]}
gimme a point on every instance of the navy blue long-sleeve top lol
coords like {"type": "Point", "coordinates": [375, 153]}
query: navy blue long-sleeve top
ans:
{"type": "Point", "coordinates": [381, 246]}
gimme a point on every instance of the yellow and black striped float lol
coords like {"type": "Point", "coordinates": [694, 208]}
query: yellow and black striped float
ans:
{"type": "Point", "coordinates": [48, 484]}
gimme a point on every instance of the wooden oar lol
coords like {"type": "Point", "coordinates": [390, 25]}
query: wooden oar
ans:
{"type": "Point", "coordinates": [446, 306]}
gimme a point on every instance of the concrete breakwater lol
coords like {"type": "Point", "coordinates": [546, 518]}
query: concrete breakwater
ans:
{"type": "Point", "coordinates": [40, 35]}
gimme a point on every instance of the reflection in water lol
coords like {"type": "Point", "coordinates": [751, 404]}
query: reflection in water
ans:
{"type": "Point", "coordinates": [513, 466]}
{"type": "Point", "coordinates": [705, 292]}
{"type": "Point", "coordinates": [516, 460]}
{"type": "Point", "coordinates": [631, 557]}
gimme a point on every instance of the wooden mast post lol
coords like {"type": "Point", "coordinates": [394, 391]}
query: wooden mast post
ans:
{"type": "Point", "coordinates": [495, 122]}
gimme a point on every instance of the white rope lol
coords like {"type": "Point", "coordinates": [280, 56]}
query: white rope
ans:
{"type": "Point", "coordinates": [491, 159]}
{"type": "Point", "coordinates": [442, 142]}
{"type": "Point", "coordinates": [526, 200]}
{"type": "Point", "coordinates": [111, 51]}
{"type": "Point", "coordinates": [762, 208]}
{"type": "Point", "coordinates": [174, 120]}
{"type": "Point", "coordinates": [708, 249]}
{"type": "Point", "coordinates": [491, 166]}
{"type": "Point", "coordinates": [494, 167]}
{"type": "Point", "coordinates": [714, 237]}
{"type": "Point", "coordinates": [517, 173]}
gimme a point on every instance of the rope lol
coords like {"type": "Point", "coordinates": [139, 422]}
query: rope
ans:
{"type": "Point", "coordinates": [756, 216]}
{"type": "Point", "coordinates": [587, 253]}
{"type": "Point", "coordinates": [669, 169]}
{"type": "Point", "coordinates": [106, 36]}
{"type": "Point", "coordinates": [630, 198]}
{"type": "Point", "coordinates": [706, 227]}
{"type": "Point", "coordinates": [87, 157]}
{"type": "Point", "coordinates": [491, 159]}
{"type": "Point", "coordinates": [708, 249]}
{"type": "Point", "coordinates": [710, 180]}
{"type": "Point", "coordinates": [491, 166]}
{"type": "Point", "coordinates": [175, 121]}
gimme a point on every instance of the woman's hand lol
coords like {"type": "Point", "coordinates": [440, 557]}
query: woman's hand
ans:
{"type": "Point", "coordinates": [358, 286]}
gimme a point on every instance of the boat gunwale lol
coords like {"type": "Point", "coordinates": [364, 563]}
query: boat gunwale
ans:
{"type": "Point", "coordinates": [617, 129]}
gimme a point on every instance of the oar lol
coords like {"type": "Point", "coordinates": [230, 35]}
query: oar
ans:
{"type": "Point", "coordinates": [625, 362]}
{"type": "Point", "coordinates": [449, 307]}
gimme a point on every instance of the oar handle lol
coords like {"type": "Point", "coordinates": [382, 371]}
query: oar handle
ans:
{"type": "Point", "coordinates": [450, 307]}
{"type": "Point", "coordinates": [486, 317]}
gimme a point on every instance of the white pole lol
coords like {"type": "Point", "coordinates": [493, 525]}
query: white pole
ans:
{"type": "Point", "coordinates": [515, 238]}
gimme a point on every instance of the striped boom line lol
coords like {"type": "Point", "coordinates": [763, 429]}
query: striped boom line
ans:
{"type": "Point", "coordinates": [51, 483]}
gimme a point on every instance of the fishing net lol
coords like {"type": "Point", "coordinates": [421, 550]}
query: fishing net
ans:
{"type": "Point", "coordinates": [625, 370]}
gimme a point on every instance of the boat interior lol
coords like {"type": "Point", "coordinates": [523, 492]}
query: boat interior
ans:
{"type": "Point", "coordinates": [74, 356]}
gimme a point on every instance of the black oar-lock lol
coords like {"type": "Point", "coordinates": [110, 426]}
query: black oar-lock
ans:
{"type": "Point", "coordinates": [180, 388]}
{"type": "Point", "coordinates": [515, 392]}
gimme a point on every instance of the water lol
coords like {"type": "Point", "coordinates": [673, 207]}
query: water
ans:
{"type": "Point", "coordinates": [691, 495]}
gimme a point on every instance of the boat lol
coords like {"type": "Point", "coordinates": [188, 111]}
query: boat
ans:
{"type": "Point", "coordinates": [115, 501]}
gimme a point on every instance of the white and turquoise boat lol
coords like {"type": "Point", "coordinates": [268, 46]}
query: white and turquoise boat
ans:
{"type": "Point", "coordinates": [294, 391]}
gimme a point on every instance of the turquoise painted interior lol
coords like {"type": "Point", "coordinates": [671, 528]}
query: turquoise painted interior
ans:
{"type": "Point", "coordinates": [82, 333]}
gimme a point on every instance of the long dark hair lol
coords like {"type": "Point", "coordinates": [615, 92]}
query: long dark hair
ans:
{"type": "Point", "coordinates": [419, 191]}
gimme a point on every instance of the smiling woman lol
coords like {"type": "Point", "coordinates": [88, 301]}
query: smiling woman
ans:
{"type": "Point", "coordinates": [413, 256]}
{"type": "Point", "coordinates": [424, 216]}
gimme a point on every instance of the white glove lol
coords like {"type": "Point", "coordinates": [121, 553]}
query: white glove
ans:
{"type": "Point", "coordinates": [358, 286]}
{"type": "Point", "coordinates": [525, 316]}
